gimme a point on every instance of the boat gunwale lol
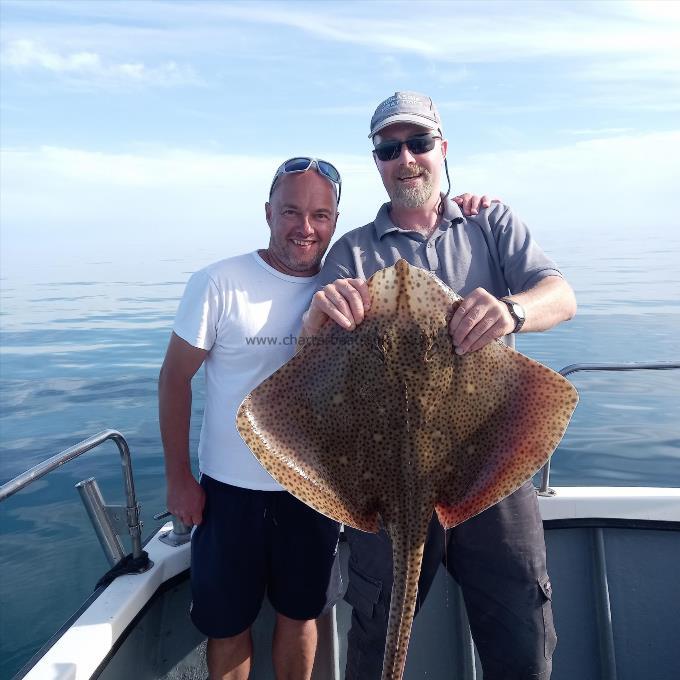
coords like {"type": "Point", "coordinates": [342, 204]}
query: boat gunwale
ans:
{"type": "Point", "coordinates": [549, 524]}
{"type": "Point", "coordinates": [165, 584]}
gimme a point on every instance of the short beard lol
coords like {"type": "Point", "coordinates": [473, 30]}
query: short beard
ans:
{"type": "Point", "coordinates": [413, 196]}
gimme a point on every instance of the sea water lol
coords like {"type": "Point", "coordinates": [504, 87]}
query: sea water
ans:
{"type": "Point", "coordinates": [80, 349]}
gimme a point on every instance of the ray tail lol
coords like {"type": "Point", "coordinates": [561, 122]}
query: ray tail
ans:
{"type": "Point", "coordinates": [408, 543]}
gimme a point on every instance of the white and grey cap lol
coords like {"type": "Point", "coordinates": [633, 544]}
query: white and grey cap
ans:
{"type": "Point", "coordinates": [406, 107]}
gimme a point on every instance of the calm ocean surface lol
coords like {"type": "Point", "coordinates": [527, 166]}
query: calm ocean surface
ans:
{"type": "Point", "coordinates": [80, 350]}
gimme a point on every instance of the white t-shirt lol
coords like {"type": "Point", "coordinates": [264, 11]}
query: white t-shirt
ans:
{"type": "Point", "coordinates": [247, 315]}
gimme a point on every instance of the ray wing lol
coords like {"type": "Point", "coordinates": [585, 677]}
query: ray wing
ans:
{"type": "Point", "coordinates": [515, 412]}
{"type": "Point", "coordinates": [308, 426]}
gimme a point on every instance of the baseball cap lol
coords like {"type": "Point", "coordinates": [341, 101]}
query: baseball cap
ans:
{"type": "Point", "coordinates": [406, 107]}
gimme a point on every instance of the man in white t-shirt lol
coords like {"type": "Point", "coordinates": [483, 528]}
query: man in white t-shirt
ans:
{"type": "Point", "coordinates": [240, 318]}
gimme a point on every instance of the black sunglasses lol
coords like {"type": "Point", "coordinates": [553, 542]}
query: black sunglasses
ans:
{"type": "Point", "coordinates": [391, 148]}
{"type": "Point", "coordinates": [304, 163]}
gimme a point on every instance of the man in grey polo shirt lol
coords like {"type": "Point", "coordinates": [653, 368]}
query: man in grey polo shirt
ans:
{"type": "Point", "coordinates": [508, 285]}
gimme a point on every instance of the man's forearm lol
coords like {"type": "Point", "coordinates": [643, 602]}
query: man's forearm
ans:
{"type": "Point", "coordinates": [174, 408]}
{"type": "Point", "coordinates": [547, 304]}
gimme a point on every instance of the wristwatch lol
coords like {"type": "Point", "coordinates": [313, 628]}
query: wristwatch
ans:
{"type": "Point", "coordinates": [516, 311]}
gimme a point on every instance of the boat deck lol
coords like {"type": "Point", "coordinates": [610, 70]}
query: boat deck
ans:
{"type": "Point", "coordinates": [612, 559]}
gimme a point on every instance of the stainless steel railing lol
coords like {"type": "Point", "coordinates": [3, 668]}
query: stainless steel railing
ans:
{"type": "Point", "coordinates": [544, 489]}
{"type": "Point", "coordinates": [130, 510]}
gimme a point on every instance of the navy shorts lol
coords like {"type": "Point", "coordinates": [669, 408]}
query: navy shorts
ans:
{"type": "Point", "coordinates": [255, 542]}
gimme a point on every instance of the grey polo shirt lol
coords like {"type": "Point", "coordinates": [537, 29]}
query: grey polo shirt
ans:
{"type": "Point", "coordinates": [492, 250]}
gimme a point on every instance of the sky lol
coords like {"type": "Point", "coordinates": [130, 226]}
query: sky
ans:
{"type": "Point", "coordinates": [154, 128]}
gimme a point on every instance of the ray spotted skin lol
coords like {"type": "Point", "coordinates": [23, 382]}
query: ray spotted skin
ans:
{"type": "Point", "coordinates": [383, 425]}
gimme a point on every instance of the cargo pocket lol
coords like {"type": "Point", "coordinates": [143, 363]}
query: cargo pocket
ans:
{"type": "Point", "coordinates": [363, 592]}
{"type": "Point", "coordinates": [548, 625]}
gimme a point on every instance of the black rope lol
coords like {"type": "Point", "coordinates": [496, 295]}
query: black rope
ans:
{"type": "Point", "coordinates": [128, 565]}
{"type": "Point", "coordinates": [448, 179]}
{"type": "Point", "coordinates": [440, 205]}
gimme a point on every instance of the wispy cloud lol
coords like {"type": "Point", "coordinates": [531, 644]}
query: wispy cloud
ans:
{"type": "Point", "coordinates": [608, 183]}
{"type": "Point", "coordinates": [520, 30]}
{"type": "Point", "coordinates": [160, 170]}
{"type": "Point", "coordinates": [301, 76]}
{"type": "Point", "coordinates": [597, 132]}
{"type": "Point", "coordinates": [89, 68]}
{"type": "Point", "coordinates": [480, 32]}
{"type": "Point", "coordinates": [614, 182]}
{"type": "Point", "coordinates": [94, 200]}
{"type": "Point", "coordinates": [589, 42]}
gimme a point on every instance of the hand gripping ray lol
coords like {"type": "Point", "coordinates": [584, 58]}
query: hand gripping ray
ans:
{"type": "Point", "coordinates": [384, 424]}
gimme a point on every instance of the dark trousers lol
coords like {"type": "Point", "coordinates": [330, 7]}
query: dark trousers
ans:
{"type": "Point", "coordinates": [498, 559]}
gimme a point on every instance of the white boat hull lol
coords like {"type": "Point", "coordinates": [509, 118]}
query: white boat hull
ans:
{"type": "Point", "coordinates": [109, 638]}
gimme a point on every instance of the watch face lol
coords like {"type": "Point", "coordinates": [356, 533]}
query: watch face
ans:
{"type": "Point", "coordinates": [518, 311]}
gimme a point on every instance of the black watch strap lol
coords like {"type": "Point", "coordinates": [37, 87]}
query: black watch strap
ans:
{"type": "Point", "coordinates": [516, 311]}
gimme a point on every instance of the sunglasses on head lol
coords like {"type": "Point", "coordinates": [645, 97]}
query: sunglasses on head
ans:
{"type": "Point", "coordinates": [418, 144]}
{"type": "Point", "coordinates": [304, 163]}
